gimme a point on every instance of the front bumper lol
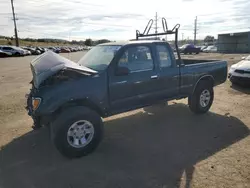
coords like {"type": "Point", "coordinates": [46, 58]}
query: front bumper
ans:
{"type": "Point", "coordinates": [239, 80]}
{"type": "Point", "coordinates": [29, 108]}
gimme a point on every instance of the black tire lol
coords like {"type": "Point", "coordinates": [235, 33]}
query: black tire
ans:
{"type": "Point", "coordinates": [17, 54]}
{"type": "Point", "coordinates": [62, 124]}
{"type": "Point", "coordinates": [194, 100]}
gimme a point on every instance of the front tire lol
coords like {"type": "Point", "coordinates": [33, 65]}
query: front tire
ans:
{"type": "Point", "coordinates": [202, 98]}
{"type": "Point", "coordinates": [77, 131]}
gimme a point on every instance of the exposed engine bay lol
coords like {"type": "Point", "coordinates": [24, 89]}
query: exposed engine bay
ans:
{"type": "Point", "coordinates": [62, 75]}
{"type": "Point", "coordinates": [50, 67]}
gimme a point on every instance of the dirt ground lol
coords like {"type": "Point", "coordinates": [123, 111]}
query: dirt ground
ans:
{"type": "Point", "coordinates": [156, 147]}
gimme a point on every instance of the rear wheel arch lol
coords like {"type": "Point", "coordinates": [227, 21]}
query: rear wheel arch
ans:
{"type": "Point", "coordinates": [202, 97]}
{"type": "Point", "coordinates": [206, 78]}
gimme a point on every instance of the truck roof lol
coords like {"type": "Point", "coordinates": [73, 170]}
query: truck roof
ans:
{"type": "Point", "coordinates": [123, 43]}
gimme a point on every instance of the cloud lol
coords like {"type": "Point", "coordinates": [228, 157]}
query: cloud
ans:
{"type": "Point", "coordinates": [80, 19]}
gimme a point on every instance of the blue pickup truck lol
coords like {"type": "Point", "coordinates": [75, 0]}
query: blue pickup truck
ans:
{"type": "Point", "coordinates": [72, 98]}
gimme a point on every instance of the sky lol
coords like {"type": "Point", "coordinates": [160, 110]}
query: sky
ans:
{"type": "Point", "coordinates": [118, 20]}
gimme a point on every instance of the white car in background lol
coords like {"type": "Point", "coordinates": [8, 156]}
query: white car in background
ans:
{"type": "Point", "coordinates": [5, 54]}
{"type": "Point", "coordinates": [210, 49]}
{"type": "Point", "coordinates": [15, 51]}
{"type": "Point", "coordinates": [239, 73]}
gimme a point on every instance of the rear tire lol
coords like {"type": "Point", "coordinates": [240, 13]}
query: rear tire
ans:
{"type": "Point", "coordinates": [202, 98]}
{"type": "Point", "coordinates": [17, 54]}
{"type": "Point", "coordinates": [77, 141]}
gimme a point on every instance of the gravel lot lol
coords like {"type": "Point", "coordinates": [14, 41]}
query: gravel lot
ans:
{"type": "Point", "coordinates": [156, 147]}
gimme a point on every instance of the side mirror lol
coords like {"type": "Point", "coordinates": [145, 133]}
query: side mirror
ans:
{"type": "Point", "coordinates": [121, 71]}
{"type": "Point", "coordinates": [243, 58]}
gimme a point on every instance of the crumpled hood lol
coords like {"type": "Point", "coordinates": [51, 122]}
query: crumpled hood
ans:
{"type": "Point", "coordinates": [50, 63]}
{"type": "Point", "coordinates": [242, 65]}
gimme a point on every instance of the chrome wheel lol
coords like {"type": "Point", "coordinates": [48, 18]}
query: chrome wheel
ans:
{"type": "Point", "coordinates": [205, 98]}
{"type": "Point", "coordinates": [80, 133]}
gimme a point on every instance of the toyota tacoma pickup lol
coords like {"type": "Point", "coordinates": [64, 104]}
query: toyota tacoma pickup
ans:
{"type": "Point", "coordinates": [72, 98]}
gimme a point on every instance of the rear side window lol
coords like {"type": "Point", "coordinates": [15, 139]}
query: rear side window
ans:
{"type": "Point", "coordinates": [137, 58]}
{"type": "Point", "coordinates": [7, 48]}
{"type": "Point", "coordinates": [164, 56]}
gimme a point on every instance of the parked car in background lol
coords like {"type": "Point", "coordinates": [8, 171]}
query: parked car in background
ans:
{"type": "Point", "coordinates": [203, 48]}
{"type": "Point", "coordinates": [58, 49]}
{"type": "Point", "coordinates": [80, 48]}
{"type": "Point", "coordinates": [26, 52]}
{"type": "Point", "coordinates": [33, 51]}
{"type": "Point", "coordinates": [41, 49]}
{"type": "Point", "coordinates": [189, 49]}
{"type": "Point", "coordinates": [72, 49]}
{"type": "Point", "coordinates": [210, 49]}
{"type": "Point", "coordinates": [54, 49]}
{"type": "Point", "coordinates": [239, 73]}
{"type": "Point", "coordinates": [86, 47]}
{"type": "Point", "coordinates": [15, 51]}
{"type": "Point", "coordinates": [65, 50]}
{"type": "Point", "coordinates": [5, 54]}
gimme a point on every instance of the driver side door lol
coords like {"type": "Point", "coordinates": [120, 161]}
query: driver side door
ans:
{"type": "Point", "coordinates": [131, 90]}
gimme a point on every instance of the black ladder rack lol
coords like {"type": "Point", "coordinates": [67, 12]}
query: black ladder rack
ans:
{"type": "Point", "coordinates": [166, 32]}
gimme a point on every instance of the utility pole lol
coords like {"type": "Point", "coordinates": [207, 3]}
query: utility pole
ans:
{"type": "Point", "coordinates": [14, 19]}
{"type": "Point", "coordinates": [195, 29]}
{"type": "Point", "coordinates": [182, 38]}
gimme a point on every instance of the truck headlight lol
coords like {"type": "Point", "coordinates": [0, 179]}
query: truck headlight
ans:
{"type": "Point", "coordinates": [35, 102]}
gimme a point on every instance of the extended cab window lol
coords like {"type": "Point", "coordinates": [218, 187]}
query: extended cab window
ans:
{"type": "Point", "coordinates": [164, 56]}
{"type": "Point", "coordinates": [137, 58]}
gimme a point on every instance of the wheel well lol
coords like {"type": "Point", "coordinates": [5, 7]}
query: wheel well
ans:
{"type": "Point", "coordinates": [80, 102]}
{"type": "Point", "coordinates": [208, 78]}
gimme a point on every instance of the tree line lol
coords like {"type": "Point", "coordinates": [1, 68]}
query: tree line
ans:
{"type": "Point", "coordinates": [87, 42]}
{"type": "Point", "coordinates": [91, 42]}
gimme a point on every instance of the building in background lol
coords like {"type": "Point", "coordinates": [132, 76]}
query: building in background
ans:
{"type": "Point", "coordinates": [234, 42]}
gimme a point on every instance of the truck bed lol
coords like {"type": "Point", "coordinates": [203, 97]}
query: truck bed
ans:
{"type": "Point", "coordinates": [217, 69]}
{"type": "Point", "coordinates": [196, 61]}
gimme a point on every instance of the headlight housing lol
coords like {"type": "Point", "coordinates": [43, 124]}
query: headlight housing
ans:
{"type": "Point", "coordinates": [36, 101]}
{"type": "Point", "coordinates": [232, 69]}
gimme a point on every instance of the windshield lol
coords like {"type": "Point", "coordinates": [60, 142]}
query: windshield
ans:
{"type": "Point", "coordinates": [99, 57]}
{"type": "Point", "coordinates": [210, 47]}
{"type": "Point", "coordinates": [184, 46]}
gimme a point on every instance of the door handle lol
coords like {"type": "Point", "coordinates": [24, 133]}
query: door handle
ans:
{"type": "Point", "coordinates": [154, 77]}
{"type": "Point", "coordinates": [138, 82]}
{"type": "Point", "coordinates": [121, 82]}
